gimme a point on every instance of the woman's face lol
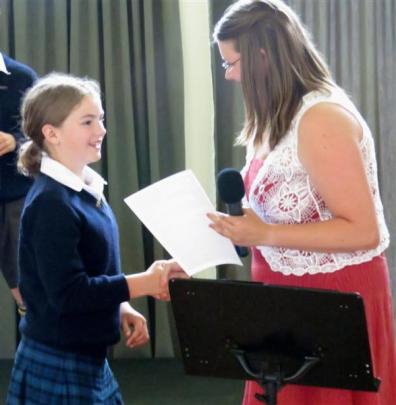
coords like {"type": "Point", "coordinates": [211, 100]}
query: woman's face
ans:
{"type": "Point", "coordinates": [231, 60]}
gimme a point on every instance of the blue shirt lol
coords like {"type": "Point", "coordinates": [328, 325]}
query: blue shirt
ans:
{"type": "Point", "coordinates": [14, 81]}
{"type": "Point", "coordinates": [69, 262]}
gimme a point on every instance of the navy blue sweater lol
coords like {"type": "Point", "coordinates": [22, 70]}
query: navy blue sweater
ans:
{"type": "Point", "coordinates": [12, 87]}
{"type": "Point", "coordinates": [70, 269]}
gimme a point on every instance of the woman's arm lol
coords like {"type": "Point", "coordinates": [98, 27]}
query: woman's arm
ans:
{"type": "Point", "coordinates": [329, 150]}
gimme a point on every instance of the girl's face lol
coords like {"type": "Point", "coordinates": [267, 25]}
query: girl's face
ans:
{"type": "Point", "coordinates": [232, 60]}
{"type": "Point", "coordinates": [77, 142]}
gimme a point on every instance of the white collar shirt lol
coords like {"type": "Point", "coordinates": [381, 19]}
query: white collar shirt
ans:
{"type": "Point", "coordinates": [92, 182]}
{"type": "Point", "coordinates": [3, 67]}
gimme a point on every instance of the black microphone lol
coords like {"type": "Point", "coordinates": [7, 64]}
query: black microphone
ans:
{"type": "Point", "coordinates": [232, 190]}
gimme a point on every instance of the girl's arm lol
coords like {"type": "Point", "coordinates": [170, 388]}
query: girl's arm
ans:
{"type": "Point", "coordinates": [54, 229]}
{"type": "Point", "coordinates": [154, 281]}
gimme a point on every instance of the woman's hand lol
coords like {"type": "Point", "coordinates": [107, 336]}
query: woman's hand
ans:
{"type": "Point", "coordinates": [245, 230]}
{"type": "Point", "coordinates": [154, 281]}
{"type": "Point", "coordinates": [133, 326]}
{"type": "Point", "coordinates": [164, 270]}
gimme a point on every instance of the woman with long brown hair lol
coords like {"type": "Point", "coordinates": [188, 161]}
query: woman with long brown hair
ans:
{"type": "Point", "coordinates": [315, 218]}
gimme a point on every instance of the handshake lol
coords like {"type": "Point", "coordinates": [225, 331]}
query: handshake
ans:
{"type": "Point", "coordinates": [154, 281]}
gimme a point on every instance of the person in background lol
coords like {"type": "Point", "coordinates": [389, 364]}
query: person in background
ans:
{"type": "Point", "coordinates": [71, 280]}
{"type": "Point", "coordinates": [315, 217]}
{"type": "Point", "coordinates": [15, 78]}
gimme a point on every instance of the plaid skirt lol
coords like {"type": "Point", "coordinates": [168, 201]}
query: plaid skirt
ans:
{"type": "Point", "coordinates": [43, 375]}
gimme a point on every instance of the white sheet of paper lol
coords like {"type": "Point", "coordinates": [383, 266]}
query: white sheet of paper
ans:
{"type": "Point", "coordinates": [174, 210]}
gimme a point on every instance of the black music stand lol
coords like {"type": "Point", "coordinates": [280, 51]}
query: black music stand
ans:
{"type": "Point", "coordinates": [272, 334]}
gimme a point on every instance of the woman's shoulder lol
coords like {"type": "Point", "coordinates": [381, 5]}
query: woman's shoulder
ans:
{"type": "Point", "coordinates": [327, 114]}
{"type": "Point", "coordinates": [331, 94]}
{"type": "Point", "coordinates": [324, 109]}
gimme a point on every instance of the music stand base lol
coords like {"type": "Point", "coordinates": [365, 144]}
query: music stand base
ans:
{"type": "Point", "coordinates": [272, 382]}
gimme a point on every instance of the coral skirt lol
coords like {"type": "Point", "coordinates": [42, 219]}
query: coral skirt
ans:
{"type": "Point", "coordinates": [371, 280]}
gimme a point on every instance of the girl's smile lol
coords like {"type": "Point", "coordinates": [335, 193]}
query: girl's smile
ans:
{"type": "Point", "coordinates": [78, 141]}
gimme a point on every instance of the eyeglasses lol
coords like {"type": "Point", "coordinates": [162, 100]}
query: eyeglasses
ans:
{"type": "Point", "coordinates": [228, 65]}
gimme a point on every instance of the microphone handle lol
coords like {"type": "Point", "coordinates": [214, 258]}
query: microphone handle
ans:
{"type": "Point", "coordinates": [235, 209]}
{"type": "Point", "coordinates": [242, 251]}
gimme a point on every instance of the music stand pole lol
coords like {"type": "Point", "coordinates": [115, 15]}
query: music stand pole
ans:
{"type": "Point", "coordinates": [272, 381]}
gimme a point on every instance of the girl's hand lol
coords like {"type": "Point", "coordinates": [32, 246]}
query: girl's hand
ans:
{"type": "Point", "coordinates": [245, 230]}
{"type": "Point", "coordinates": [163, 271]}
{"type": "Point", "coordinates": [154, 281]}
{"type": "Point", "coordinates": [133, 326]}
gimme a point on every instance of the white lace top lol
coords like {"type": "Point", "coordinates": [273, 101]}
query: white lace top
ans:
{"type": "Point", "coordinates": [282, 193]}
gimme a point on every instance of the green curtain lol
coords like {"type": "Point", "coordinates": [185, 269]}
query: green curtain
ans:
{"type": "Point", "coordinates": [133, 48]}
{"type": "Point", "coordinates": [357, 38]}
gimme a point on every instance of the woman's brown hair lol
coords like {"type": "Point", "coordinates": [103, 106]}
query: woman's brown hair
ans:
{"type": "Point", "coordinates": [279, 65]}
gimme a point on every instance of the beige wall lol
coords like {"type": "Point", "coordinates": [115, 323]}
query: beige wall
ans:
{"type": "Point", "coordinates": [198, 97]}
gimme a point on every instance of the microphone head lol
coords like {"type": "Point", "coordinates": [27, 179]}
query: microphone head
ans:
{"type": "Point", "coordinates": [230, 186]}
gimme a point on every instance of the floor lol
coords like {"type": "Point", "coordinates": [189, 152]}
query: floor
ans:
{"type": "Point", "coordinates": [154, 382]}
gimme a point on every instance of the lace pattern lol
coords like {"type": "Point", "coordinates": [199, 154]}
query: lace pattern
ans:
{"type": "Point", "coordinates": [282, 193]}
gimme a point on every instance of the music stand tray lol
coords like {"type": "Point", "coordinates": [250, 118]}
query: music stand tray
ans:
{"type": "Point", "coordinates": [273, 334]}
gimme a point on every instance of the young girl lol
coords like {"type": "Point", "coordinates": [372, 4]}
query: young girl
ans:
{"type": "Point", "coordinates": [69, 259]}
{"type": "Point", "coordinates": [316, 218]}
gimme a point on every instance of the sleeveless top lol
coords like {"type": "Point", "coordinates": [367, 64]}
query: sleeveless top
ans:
{"type": "Point", "coordinates": [282, 193]}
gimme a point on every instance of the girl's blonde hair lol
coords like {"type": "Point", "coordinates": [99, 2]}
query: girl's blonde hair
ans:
{"type": "Point", "coordinates": [274, 85]}
{"type": "Point", "coordinates": [49, 101]}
